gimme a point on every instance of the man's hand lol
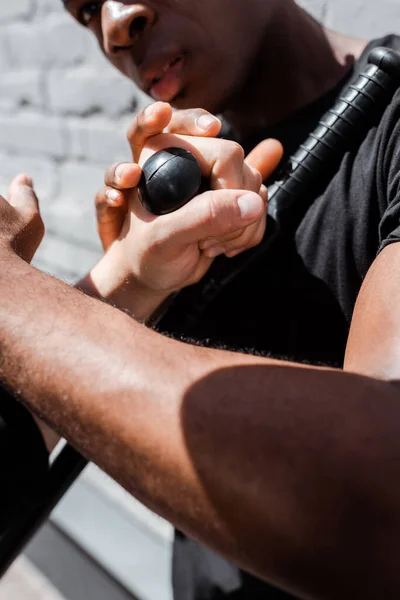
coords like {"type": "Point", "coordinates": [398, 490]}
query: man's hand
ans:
{"type": "Point", "coordinates": [112, 200]}
{"type": "Point", "coordinates": [159, 255]}
{"type": "Point", "coordinates": [21, 226]}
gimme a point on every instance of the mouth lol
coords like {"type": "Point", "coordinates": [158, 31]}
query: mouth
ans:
{"type": "Point", "coordinates": [168, 81]}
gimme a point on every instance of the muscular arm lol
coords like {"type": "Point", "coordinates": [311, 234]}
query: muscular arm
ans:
{"type": "Point", "coordinates": [290, 471]}
{"type": "Point", "coordinates": [374, 341]}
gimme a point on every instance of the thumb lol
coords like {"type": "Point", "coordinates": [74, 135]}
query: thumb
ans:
{"type": "Point", "coordinates": [265, 157]}
{"type": "Point", "coordinates": [215, 213]}
{"type": "Point", "coordinates": [22, 196]}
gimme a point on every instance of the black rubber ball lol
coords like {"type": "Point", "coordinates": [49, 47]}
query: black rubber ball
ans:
{"type": "Point", "coordinates": [170, 178]}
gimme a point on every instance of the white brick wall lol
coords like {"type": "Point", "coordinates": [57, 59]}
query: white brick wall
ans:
{"type": "Point", "coordinates": [64, 112]}
{"type": "Point", "coordinates": [63, 118]}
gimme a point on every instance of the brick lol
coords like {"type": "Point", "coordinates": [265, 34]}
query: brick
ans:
{"type": "Point", "coordinates": [16, 9]}
{"type": "Point", "coordinates": [5, 58]}
{"type": "Point", "coordinates": [71, 222]}
{"type": "Point", "coordinates": [45, 7]}
{"type": "Point", "coordinates": [22, 88]}
{"type": "Point", "coordinates": [86, 90]}
{"type": "Point", "coordinates": [99, 140]}
{"type": "Point", "coordinates": [363, 18]}
{"type": "Point", "coordinates": [316, 7]}
{"type": "Point", "coordinates": [60, 255]}
{"type": "Point", "coordinates": [72, 215]}
{"type": "Point", "coordinates": [33, 132]}
{"type": "Point", "coordinates": [43, 171]}
{"type": "Point", "coordinates": [80, 181]}
{"type": "Point", "coordinates": [6, 107]}
{"type": "Point", "coordinates": [53, 41]}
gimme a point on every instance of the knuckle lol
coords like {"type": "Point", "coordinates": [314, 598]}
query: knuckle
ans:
{"type": "Point", "coordinates": [234, 150]}
{"type": "Point", "coordinates": [212, 215]}
{"type": "Point", "coordinates": [220, 217]}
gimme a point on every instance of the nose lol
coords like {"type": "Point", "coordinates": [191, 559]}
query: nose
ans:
{"type": "Point", "coordinates": [123, 24]}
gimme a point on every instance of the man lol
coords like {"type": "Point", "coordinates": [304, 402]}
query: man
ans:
{"type": "Point", "coordinates": [289, 470]}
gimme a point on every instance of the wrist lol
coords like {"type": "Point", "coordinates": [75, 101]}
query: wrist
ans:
{"type": "Point", "coordinates": [112, 280]}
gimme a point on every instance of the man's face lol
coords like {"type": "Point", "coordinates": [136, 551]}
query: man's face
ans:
{"type": "Point", "coordinates": [191, 53]}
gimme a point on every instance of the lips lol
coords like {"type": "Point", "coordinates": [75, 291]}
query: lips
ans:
{"type": "Point", "coordinates": [167, 81]}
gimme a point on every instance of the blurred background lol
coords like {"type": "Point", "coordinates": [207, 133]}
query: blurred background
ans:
{"type": "Point", "coordinates": [63, 118]}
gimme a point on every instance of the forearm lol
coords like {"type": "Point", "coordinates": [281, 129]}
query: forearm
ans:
{"type": "Point", "coordinates": [285, 469]}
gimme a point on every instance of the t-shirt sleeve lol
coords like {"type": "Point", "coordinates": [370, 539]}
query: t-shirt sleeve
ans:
{"type": "Point", "coordinates": [24, 461]}
{"type": "Point", "coordinates": [389, 227]}
{"type": "Point", "coordinates": [388, 176]}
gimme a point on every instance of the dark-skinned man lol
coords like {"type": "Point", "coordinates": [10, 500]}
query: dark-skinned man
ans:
{"type": "Point", "coordinates": [289, 470]}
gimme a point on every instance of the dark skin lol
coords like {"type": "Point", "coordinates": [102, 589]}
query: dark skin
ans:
{"type": "Point", "coordinates": [317, 477]}
{"type": "Point", "coordinates": [304, 491]}
{"type": "Point", "coordinates": [227, 48]}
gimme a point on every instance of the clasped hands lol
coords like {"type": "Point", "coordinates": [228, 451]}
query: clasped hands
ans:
{"type": "Point", "coordinates": [148, 257]}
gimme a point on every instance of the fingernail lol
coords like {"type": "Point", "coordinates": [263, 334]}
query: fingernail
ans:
{"type": "Point", "coordinates": [119, 173]}
{"type": "Point", "coordinates": [113, 196]}
{"type": "Point", "coordinates": [250, 206]}
{"type": "Point", "coordinates": [213, 252]}
{"type": "Point", "coordinates": [148, 111]}
{"type": "Point", "coordinates": [205, 121]}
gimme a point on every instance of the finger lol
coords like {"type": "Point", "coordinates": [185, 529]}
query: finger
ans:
{"type": "Point", "coordinates": [252, 185]}
{"type": "Point", "coordinates": [210, 242]}
{"type": "Point", "coordinates": [212, 214]}
{"type": "Point", "coordinates": [22, 197]}
{"type": "Point", "coordinates": [110, 215]}
{"type": "Point", "coordinates": [222, 162]}
{"type": "Point", "coordinates": [250, 237]}
{"type": "Point", "coordinates": [265, 157]}
{"type": "Point", "coordinates": [194, 121]}
{"type": "Point", "coordinates": [123, 176]}
{"type": "Point", "coordinates": [149, 122]}
{"type": "Point", "coordinates": [226, 164]}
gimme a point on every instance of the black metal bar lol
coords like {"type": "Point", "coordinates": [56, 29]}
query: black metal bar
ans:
{"type": "Point", "coordinates": [65, 469]}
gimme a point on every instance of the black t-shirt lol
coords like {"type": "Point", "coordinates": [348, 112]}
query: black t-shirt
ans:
{"type": "Point", "coordinates": [299, 303]}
